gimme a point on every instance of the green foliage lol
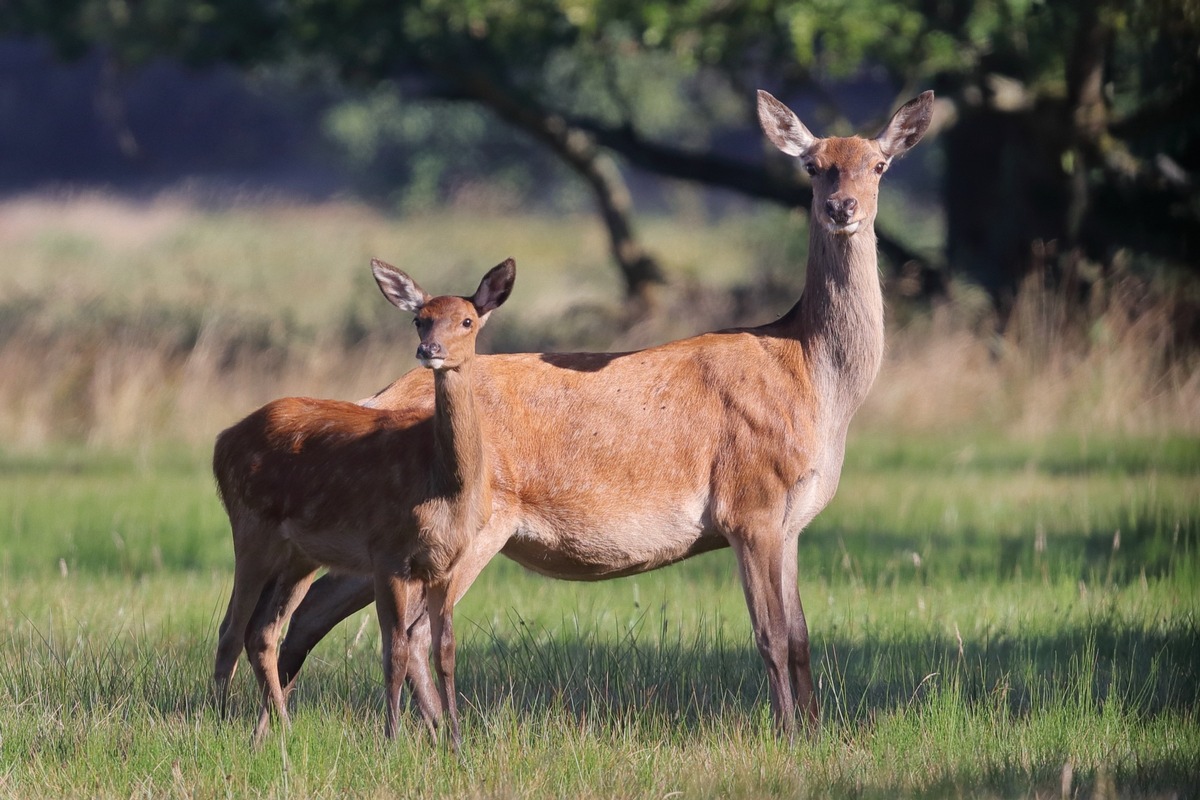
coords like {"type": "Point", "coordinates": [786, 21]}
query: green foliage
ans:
{"type": "Point", "coordinates": [814, 40]}
{"type": "Point", "coordinates": [1099, 173]}
{"type": "Point", "coordinates": [422, 153]}
{"type": "Point", "coordinates": [195, 31]}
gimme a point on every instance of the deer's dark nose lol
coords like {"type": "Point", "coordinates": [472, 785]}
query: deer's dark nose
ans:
{"type": "Point", "coordinates": [428, 350]}
{"type": "Point", "coordinates": [840, 211]}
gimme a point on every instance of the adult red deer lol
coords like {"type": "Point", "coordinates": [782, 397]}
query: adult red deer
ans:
{"type": "Point", "coordinates": [388, 493]}
{"type": "Point", "coordinates": [613, 464]}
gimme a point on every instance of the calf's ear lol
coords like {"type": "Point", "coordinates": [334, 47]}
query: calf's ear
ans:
{"type": "Point", "coordinates": [495, 288]}
{"type": "Point", "coordinates": [400, 290]}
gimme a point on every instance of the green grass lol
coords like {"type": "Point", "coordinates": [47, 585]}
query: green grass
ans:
{"type": "Point", "coordinates": [993, 612]}
{"type": "Point", "coordinates": [976, 632]}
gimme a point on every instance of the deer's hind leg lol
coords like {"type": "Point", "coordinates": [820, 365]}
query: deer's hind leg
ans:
{"type": "Point", "coordinates": [262, 638]}
{"type": "Point", "coordinates": [252, 580]}
{"type": "Point", "coordinates": [331, 599]}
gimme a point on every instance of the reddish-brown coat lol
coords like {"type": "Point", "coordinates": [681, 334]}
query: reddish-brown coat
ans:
{"type": "Point", "coordinates": [611, 464]}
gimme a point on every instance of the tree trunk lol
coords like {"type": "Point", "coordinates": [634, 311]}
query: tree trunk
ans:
{"type": "Point", "coordinates": [1006, 195]}
{"type": "Point", "coordinates": [1020, 176]}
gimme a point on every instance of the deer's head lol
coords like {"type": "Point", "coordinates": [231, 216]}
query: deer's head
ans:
{"type": "Point", "coordinates": [845, 171]}
{"type": "Point", "coordinates": [447, 325]}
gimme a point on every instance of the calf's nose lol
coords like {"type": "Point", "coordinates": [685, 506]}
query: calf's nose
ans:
{"type": "Point", "coordinates": [428, 350]}
{"type": "Point", "coordinates": [841, 210]}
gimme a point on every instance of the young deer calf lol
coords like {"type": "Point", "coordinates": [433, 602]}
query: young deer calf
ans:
{"type": "Point", "coordinates": [394, 494]}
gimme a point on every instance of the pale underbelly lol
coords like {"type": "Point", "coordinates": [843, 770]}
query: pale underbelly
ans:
{"type": "Point", "coordinates": [609, 555]}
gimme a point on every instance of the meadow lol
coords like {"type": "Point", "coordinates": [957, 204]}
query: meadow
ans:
{"type": "Point", "coordinates": [1003, 596]}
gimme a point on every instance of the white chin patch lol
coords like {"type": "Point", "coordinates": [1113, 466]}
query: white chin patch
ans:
{"type": "Point", "coordinates": [843, 230]}
{"type": "Point", "coordinates": [433, 363]}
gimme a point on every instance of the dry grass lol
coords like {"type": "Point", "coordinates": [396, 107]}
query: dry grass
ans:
{"type": "Point", "coordinates": [126, 325]}
{"type": "Point", "coordinates": [1113, 367]}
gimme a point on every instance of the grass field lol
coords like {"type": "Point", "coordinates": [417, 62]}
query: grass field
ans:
{"type": "Point", "coordinates": [982, 622]}
{"type": "Point", "coordinates": [1003, 597]}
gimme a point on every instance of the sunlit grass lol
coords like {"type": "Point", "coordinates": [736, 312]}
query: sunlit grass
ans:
{"type": "Point", "coordinates": [309, 264]}
{"type": "Point", "coordinates": [974, 631]}
{"type": "Point", "coordinates": [123, 325]}
{"type": "Point", "coordinates": [577, 707]}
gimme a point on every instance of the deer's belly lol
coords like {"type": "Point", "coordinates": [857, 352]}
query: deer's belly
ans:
{"type": "Point", "coordinates": [331, 548]}
{"type": "Point", "coordinates": [625, 547]}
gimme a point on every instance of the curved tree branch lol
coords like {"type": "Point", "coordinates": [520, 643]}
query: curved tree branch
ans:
{"type": "Point", "coordinates": [579, 150]}
{"type": "Point", "coordinates": [758, 181]}
{"type": "Point", "coordinates": [761, 181]}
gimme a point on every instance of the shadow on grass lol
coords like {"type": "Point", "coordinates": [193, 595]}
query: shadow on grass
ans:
{"type": "Point", "coordinates": [662, 685]}
{"type": "Point", "coordinates": [689, 682]}
{"type": "Point", "coordinates": [682, 689]}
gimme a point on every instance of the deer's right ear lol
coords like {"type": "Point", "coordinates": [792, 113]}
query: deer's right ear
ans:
{"type": "Point", "coordinates": [907, 126]}
{"type": "Point", "coordinates": [783, 127]}
{"type": "Point", "coordinates": [495, 288]}
{"type": "Point", "coordinates": [400, 290]}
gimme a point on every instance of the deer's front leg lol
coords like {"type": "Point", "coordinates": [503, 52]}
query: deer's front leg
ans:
{"type": "Point", "coordinates": [441, 626]}
{"type": "Point", "coordinates": [391, 604]}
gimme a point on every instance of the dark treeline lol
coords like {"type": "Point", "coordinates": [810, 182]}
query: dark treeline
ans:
{"type": "Point", "coordinates": [1068, 132]}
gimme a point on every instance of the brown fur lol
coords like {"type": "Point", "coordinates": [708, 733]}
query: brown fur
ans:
{"type": "Point", "coordinates": [613, 464]}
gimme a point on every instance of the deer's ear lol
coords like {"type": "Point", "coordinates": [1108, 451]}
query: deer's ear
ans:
{"type": "Point", "coordinates": [907, 126]}
{"type": "Point", "coordinates": [400, 290]}
{"type": "Point", "coordinates": [494, 289]}
{"type": "Point", "coordinates": [783, 127]}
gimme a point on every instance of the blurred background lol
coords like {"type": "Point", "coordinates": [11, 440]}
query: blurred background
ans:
{"type": "Point", "coordinates": [190, 192]}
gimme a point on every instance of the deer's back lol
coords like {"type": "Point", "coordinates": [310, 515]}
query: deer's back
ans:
{"type": "Point", "coordinates": [610, 463]}
{"type": "Point", "coordinates": [624, 462]}
{"type": "Point", "coordinates": [331, 475]}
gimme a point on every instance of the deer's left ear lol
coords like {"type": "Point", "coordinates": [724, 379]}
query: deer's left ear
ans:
{"type": "Point", "coordinates": [400, 290]}
{"type": "Point", "coordinates": [907, 126]}
{"type": "Point", "coordinates": [783, 127]}
{"type": "Point", "coordinates": [494, 289]}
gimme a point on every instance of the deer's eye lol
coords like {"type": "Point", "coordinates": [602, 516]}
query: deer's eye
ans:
{"type": "Point", "coordinates": [880, 167]}
{"type": "Point", "coordinates": [811, 169]}
{"type": "Point", "coordinates": [467, 322]}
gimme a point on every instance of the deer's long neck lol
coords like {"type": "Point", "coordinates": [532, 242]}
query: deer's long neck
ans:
{"type": "Point", "coordinates": [839, 317]}
{"type": "Point", "coordinates": [458, 453]}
